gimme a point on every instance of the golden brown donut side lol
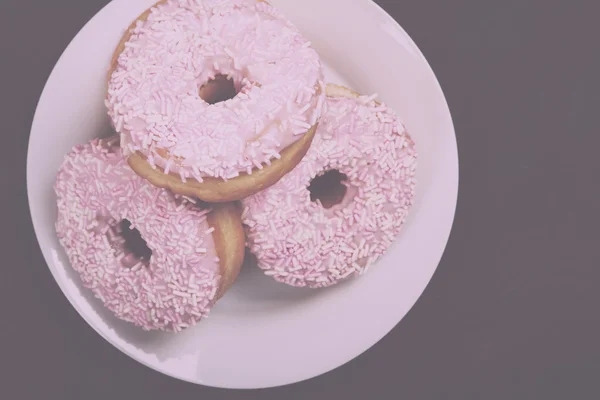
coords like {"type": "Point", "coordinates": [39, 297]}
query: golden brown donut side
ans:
{"type": "Point", "coordinates": [333, 90]}
{"type": "Point", "coordinates": [229, 240]}
{"type": "Point", "coordinates": [215, 190]}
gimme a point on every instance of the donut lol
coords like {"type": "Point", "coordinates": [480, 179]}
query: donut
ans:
{"type": "Point", "coordinates": [215, 99]}
{"type": "Point", "coordinates": [345, 203]}
{"type": "Point", "coordinates": [153, 258]}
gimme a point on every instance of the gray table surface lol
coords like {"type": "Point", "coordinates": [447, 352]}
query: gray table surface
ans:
{"type": "Point", "coordinates": [512, 312]}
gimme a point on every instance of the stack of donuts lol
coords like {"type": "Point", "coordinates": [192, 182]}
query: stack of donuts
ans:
{"type": "Point", "coordinates": [227, 142]}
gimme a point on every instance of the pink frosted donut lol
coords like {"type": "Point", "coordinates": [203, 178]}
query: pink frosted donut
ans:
{"type": "Point", "coordinates": [209, 91]}
{"type": "Point", "coordinates": [154, 259]}
{"type": "Point", "coordinates": [345, 203]}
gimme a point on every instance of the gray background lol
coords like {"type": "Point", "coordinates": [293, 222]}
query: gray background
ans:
{"type": "Point", "coordinates": [512, 312]}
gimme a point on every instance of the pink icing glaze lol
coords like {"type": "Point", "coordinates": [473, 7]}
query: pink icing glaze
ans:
{"type": "Point", "coordinates": [172, 290]}
{"type": "Point", "coordinates": [154, 101]}
{"type": "Point", "coordinates": [299, 242]}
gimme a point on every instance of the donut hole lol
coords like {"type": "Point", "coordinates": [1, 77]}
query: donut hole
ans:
{"type": "Point", "coordinates": [134, 246]}
{"type": "Point", "coordinates": [328, 188]}
{"type": "Point", "coordinates": [219, 89]}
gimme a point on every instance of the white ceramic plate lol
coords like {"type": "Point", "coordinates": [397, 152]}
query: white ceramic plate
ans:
{"type": "Point", "coordinates": [262, 333]}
